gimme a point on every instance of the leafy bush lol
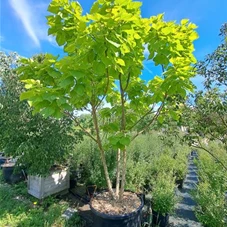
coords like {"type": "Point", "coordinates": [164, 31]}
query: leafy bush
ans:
{"type": "Point", "coordinates": [38, 142]}
{"type": "Point", "coordinates": [137, 175]}
{"type": "Point", "coordinates": [141, 153]}
{"type": "Point", "coordinates": [87, 155]}
{"type": "Point", "coordinates": [163, 194]}
{"type": "Point", "coordinates": [148, 155]}
{"type": "Point", "coordinates": [181, 162]}
{"type": "Point", "coordinates": [210, 193]}
{"type": "Point", "coordinates": [211, 209]}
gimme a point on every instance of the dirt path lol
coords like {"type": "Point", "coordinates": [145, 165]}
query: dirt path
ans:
{"type": "Point", "coordinates": [184, 212]}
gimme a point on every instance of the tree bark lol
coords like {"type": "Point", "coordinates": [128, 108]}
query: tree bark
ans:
{"type": "Point", "coordinates": [118, 172]}
{"type": "Point", "coordinates": [123, 178]}
{"type": "Point", "coordinates": [103, 159]}
{"type": "Point", "coordinates": [123, 126]}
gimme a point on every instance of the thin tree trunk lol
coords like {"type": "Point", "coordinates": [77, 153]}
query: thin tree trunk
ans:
{"type": "Point", "coordinates": [118, 172]}
{"type": "Point", "coordinates": [123, 177]}
{"type": "Point", "coordinates": [103, 158]}
{"type": "Point", "coordinates": [123, 126]}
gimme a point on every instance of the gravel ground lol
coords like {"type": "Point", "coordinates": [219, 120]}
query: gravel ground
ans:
{"type": "Point", "coordinates": [184, 211]}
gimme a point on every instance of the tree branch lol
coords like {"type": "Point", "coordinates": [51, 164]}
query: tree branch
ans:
{"type": "Point", "coordinates": [146, 114]}
{"type": "Point", "coordinates": [152, 120]}
{"type": "Point", "coordinates": [124, 152]}
{"type": "Point", "coordinates": [212, 135]}
{"type": "Point", "coordinates": [127, 83]}
{"type": "Point", "coordinates": [209, 152]}
{"type": "Point", "coordinates": [81, 127]}
{"type": "Point", "coordinates": [222, 119]}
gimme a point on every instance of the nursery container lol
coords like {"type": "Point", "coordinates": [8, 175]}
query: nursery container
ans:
{"type": "Point", "coordinates": [180, 183]}
{"type": "Point", "coordinates": [133, 219]}
{"type": "Point", "coordinates": [9, 176]}
{"type": "Point", "coordinates": [41, 187]}
{"type": "Point", "coordinates": [160, 220]}
{"type": "Point", "coordinates": [91, 189]}
{"type": "Point", "coordinates": [2, 160]}
{"type": "Point", "coordinates": [73, 179]}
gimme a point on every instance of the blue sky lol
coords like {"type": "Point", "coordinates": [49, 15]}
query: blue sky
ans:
{"type": "Point", "coordinates": [23, 24]}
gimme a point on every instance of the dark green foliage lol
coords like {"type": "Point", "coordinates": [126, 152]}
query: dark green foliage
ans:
{"type": "Point", "coordinates": [149, 155]}
{"type": "Point", "coordinates": [38, 142]}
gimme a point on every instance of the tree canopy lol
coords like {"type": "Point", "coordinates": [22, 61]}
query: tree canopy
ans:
{"type": "Point", "coordinates": [104, 61]}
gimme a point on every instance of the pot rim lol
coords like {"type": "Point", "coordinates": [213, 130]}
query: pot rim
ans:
{"type": "Point", "coordinates": [157, 212]}
{"type": "Point", "coordinates": [118, 217]}
{"type": "Point", "coordinates": [8, 165]}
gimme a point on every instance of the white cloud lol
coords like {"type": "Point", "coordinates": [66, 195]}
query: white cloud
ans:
{"type": "Point", "coordinates": [32, 15]}
{"type": "Point", "coordinates": [24, 11]}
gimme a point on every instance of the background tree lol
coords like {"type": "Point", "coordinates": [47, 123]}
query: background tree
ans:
{"type": "Point", "coordinates": [104, 61]}
{"type": "Point", "coordinates": [206, 113]}
{"type": "Point", "coordinates": [38, 142]}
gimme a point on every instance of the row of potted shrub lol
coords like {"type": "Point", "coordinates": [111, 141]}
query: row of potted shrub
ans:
{"type": "Point", "coordinates": [153, 168]}
{"type": "Point", "coordinates": [210, 193]}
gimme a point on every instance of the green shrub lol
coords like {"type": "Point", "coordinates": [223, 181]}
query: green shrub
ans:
{"type": "Point", "coordinates": [210, 193]}
{"type": "Point", "coordinates": [211, 209]}
{"type": "Point", "coordinates": [148, 155]}
{"type": "Point", "coordinates": [163, 194]}
{"type": "Point", "coordinates": [140, 165]}
{"type": "Point", "coordinates": [137, 174]}
{"type": "Point", "coordinates": [212, 172]}
{"type": "Point", "coordinates": [87, 155]}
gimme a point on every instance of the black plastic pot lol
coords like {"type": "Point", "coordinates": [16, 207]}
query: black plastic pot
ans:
{"type": "Point", "coordinates": [133, 219]}
{"type": "Point", "coordinates": [91, 189]}
{"type": "Point", "coordinates": [72, 183]}
{"type": "Point", "coordinates": [2, 160]}
{"type": "Point", "coordinates": [9, 176]}
{"type": "Point", "coordinates": [159, 219]}
{"type": "Point", "coordinates": [179, 183]}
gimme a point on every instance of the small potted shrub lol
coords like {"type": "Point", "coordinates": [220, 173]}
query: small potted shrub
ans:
{"type": "Point", "coordinates": [180, 171]}
{"type": "Point", "coordinates": [163, 199]}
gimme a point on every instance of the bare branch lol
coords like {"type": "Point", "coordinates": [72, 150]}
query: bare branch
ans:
{"type": "Point", "coordinates": [107, 86]}
{"type": "Point", "coordinates": [210, 153]}
{"type": "Point", "coordinates": [81, 127]}
{"type": "Point", "coordinates": [146, 114]}
{"type": "Point", "coordinates": [152, 120]}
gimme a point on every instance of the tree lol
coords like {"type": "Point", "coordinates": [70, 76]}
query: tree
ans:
{"type": "Point", "coordinates": [206, 115]}
{"type": "Point", "coordinates": [103, 63]}
{"type": "Point", "coordinates": [38, 142]}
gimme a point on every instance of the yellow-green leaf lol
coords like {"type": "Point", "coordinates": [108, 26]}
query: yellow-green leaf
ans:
{"type": "Point", "coordinates": [120, 62]}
